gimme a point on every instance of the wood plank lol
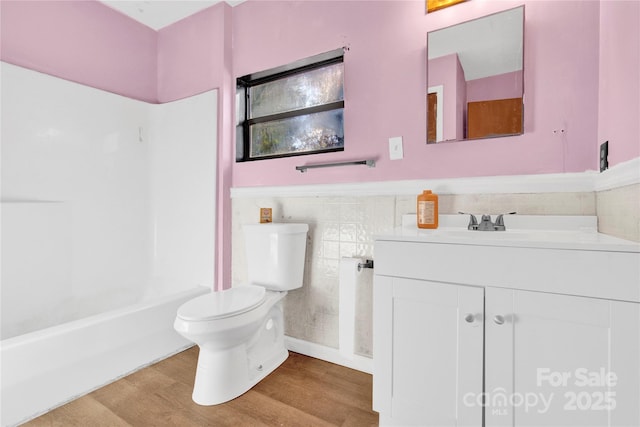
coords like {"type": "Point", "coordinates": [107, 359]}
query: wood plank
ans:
{"type": "Point", "coordinates": [85, 411]}
{"type": "Point", "coordinates": [321, 395]}
{"type": "Point", "coordinates": [179, 396]}
{"type": "Point", "coordinates": [141, 407]}
{"type": "Point", "coordinates": [180, 367]}
{"type": "Point", "coordinates": [274, 412]}
{"type": "Point", "coordinates": [303, 391]}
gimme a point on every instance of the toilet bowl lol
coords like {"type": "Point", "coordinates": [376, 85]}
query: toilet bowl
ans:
{"type": "Point", "coordinates": [240, 331]}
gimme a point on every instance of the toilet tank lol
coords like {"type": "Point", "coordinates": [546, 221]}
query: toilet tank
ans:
{"type": "Point", "coordinates": [275, 254]}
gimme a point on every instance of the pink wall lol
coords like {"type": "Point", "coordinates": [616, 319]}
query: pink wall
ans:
{"type": "Point", "coordinates": [386, 76]}
{"type": "Point", "coordinates": [501, 86]}
{"type": "Point", "coordinates": [191, 55]}
{"type": "Point", "coordinates": [619, 101]}
{"type": "Point", "coordinates": [87, 42]}
{"type": "Point", "coordinates": [81, 41]}
{"type": "Point", "coordinates": [226, 156]}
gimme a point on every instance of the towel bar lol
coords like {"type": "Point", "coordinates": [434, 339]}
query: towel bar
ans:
{"type": "Point", "coordinates": [371, 163]}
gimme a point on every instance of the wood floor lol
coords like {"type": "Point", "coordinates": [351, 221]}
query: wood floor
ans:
{"type": "Point", "coordinates": [302, 392]}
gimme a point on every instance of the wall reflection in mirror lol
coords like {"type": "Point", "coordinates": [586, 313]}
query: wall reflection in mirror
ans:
{"type": "Point", "coordinates": [475, 78]}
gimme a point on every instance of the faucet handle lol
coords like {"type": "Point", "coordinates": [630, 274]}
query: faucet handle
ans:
{"type": "Point", "coordinates": [500, 220]}
{"type": "Point", "coordinates": [473, 221]}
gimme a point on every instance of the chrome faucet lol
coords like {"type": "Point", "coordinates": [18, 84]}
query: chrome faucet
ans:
{"type": "Point", "coordinates": [473, 221]}
{"type": "Point", "coordinates": [485, 222]}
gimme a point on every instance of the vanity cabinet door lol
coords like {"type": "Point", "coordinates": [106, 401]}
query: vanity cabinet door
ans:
{"type": "Point", "coordinates": [428, 350]}
{"type": "Point", "coordinates": [560, 360]}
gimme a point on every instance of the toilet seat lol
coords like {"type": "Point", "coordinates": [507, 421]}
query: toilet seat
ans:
{"type": "Point", "coordinates": [217, 305]}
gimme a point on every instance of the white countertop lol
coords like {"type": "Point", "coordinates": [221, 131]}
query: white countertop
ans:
{"type": "Point", "coordinates": [531, 231]}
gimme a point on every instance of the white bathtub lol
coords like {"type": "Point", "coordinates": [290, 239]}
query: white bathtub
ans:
{"type": "Point", "coordinates": [46, 368]}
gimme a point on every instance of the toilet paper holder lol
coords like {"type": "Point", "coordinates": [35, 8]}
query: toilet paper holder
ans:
{"type": "Point", "coordinates": [366, 264]}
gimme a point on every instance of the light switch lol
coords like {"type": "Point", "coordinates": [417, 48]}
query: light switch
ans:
{"type": "Point", "coordinates": [395, 148]}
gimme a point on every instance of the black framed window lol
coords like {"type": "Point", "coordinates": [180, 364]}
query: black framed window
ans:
{"type": "Point", "coordinates": [293, 110]}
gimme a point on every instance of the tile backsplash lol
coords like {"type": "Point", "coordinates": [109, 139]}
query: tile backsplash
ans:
{"type": "Point", "coordinates": [618, 212]}
{"type": "Point", "coordinates": [345, 227]}
{"type": "Point", "coordinates": [338, 227]}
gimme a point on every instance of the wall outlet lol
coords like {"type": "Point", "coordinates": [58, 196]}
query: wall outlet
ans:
{"type": "Point", "coordinates": [604, 156]}
{"type": "Point", "coordinates": [395, 148]}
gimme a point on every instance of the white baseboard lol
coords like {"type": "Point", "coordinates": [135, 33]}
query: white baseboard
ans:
{"type": "Point", "coordinates": [359, 363]}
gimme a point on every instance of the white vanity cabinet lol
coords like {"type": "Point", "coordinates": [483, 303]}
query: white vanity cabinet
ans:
{"type": "Point", "coordinates": [564, 360]}
{"type": "Point", "coordinates": [428, 354]}
{"type": "Point", "coordinates": [534, 331]}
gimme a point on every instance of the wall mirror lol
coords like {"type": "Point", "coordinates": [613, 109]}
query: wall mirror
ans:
{"type": "Point", "coordinates": [475, 78]}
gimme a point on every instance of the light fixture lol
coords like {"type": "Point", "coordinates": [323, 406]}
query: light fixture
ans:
{"type": "Point", "coordinates": [433, 5]}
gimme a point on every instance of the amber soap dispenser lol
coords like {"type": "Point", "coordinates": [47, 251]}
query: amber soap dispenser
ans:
{"type": "Point", "coordinates": [427, 210]}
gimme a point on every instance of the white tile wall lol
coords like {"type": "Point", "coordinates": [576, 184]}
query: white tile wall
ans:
{"type": "Point", "coordinates": [338, 227]}
{"type": "Point", "coordinates": [619, 212]}
{"type": "Point", "coordinates": [583, 203]}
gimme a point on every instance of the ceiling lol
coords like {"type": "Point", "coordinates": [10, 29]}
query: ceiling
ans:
{"type": "Point", "coordinates": [157, 14]}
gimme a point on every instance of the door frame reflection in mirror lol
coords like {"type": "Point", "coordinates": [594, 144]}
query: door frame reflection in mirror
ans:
{"type": "Point", "coordinates": [480, 78]}
{"type": "Point", "coordinates": [438, 91]}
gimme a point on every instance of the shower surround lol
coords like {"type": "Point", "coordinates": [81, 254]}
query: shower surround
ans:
{"type": "Point", "coordinates": [107, 203]}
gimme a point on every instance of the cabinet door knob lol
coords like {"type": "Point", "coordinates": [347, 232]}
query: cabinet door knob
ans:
{"type": "Point", "coordinates": [498, 319]}
{"type": "Point", "coordinates": [469, 318]}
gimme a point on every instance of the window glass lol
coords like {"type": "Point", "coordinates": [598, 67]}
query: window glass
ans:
{"type": "Point", "coordinates": [308, 89]}
{"type": "Point", "coordinates": [300, 134]}
{"type": "Point", "coordinates": [291, 110]}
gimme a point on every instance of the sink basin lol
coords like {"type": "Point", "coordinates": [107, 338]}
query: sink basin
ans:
{"type": "Point", "coordinates": [543, 231]}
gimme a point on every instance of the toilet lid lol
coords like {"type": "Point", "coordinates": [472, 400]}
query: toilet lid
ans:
{"type": "Point", "coordinates": [222, 303]}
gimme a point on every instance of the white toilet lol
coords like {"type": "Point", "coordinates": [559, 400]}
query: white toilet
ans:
{"type": "Point", "coordinates": [240, 331]}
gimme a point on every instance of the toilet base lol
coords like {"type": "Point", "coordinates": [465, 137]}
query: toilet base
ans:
{"type": "Point", "coordinates": [223, 376]}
